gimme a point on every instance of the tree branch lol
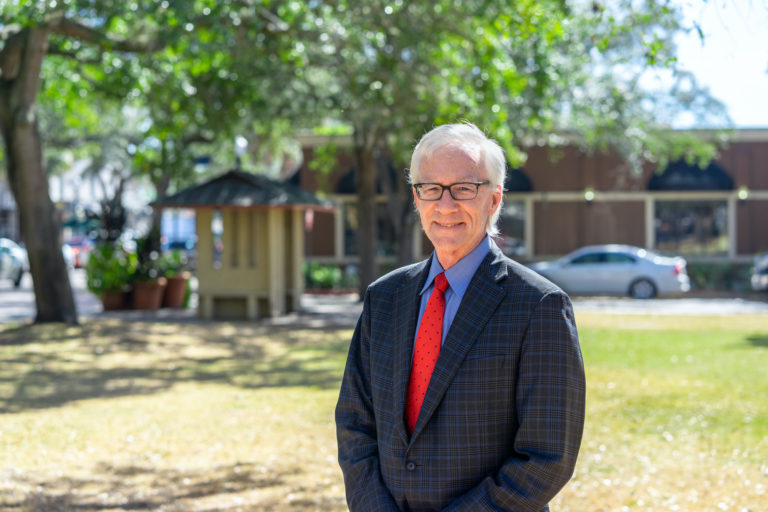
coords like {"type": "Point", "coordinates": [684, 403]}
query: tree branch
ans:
{"type": "Point", "coordinates": [68, 142]}
{"type": "Point", "coordinates": [10, 55]}
{"type": "Point", "coordinates": [142, 43]}
{"type": "Point", "coordinates": [72, 55]}
{"type": "Point", "coordinates": [198, 137]}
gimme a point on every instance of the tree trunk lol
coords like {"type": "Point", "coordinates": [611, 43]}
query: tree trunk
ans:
{"type": "Point", "coordinates": [367, 236]}
{"type": "Point", "coordinates": [399, 210]}
{"type": "Point", "coordinates": [40, 230]}
{"type": "Point", "coordinates": [407, 222]}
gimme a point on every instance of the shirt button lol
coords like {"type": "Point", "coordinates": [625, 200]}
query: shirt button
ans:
{"type": "Point", "coordinates": [410, 465]}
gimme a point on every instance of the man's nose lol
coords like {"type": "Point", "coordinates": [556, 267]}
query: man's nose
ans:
{"type": "Point", "coordinates": [446, 202]}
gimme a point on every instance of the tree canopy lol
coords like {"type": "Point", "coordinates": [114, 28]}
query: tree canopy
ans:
{"type": "Point", "coordinates": [161, 77]}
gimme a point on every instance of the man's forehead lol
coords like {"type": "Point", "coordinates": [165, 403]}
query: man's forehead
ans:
{"type": "Point", "coordinates": [466, 153]}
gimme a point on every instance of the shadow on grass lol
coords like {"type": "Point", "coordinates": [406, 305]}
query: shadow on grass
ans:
{"type": "Point", "coordinates": [51, 365]}
{"type": "Point", "coordinates": [243, 486]}
{"type": "Point", "coordinates": [758, 341]}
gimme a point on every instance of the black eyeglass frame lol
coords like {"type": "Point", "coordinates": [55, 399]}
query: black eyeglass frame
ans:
{"type": "Point", "coordinates": [417, 187]}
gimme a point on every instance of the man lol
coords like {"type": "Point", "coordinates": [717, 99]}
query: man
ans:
{"type": "Point", "coordinates": [464, 384]}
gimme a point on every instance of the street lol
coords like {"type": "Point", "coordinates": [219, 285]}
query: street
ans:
{"type": "Point", "coordinates": [19, 304]}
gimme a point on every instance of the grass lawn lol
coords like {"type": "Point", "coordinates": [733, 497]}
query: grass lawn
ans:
{"type": "Point", "coordinates": [198, 416]}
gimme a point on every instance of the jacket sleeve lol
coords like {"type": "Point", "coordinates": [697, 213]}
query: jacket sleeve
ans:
{"type": "Point", "coordinates": [550, 401]}
{"type": "Point", "coordinates": [356, 427]}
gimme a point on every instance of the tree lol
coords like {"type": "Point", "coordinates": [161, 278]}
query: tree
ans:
{"type": "Point", "coordinates": [524, 71]}
{"type": "Point", "coordinates": [97, 48]}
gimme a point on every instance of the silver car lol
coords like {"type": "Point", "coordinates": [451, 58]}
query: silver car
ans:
{"type": "Point", "coordinates": [617, 270]}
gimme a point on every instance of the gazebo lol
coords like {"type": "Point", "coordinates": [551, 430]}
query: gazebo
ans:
{"type": "Point", "coordinates": [250, 243]}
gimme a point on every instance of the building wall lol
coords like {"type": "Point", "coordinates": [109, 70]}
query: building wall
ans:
{"type": "Point", "coordinates": [747, 163]}
{"type": "Point", "coordinates": [570, 169]}
{"type": "Point", "coordinates": [559, 219]}
{"type": "Point", "coordinates": [562, 226]}
{"type": "Point", "coordinates": [752, 233]}
{"type": "Point", "coordinates": [321, 239]}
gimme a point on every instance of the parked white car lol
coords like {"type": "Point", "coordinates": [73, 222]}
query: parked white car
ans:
{"type": "Point", "coordinates": [617, 270]}
{"type": "Point", "coordinates": [13, 261]}
{"type": "Point", "coordinates": [760, 273]}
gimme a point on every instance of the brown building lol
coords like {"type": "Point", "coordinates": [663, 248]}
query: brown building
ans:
{"type": "Point", "coordinates": [559, 202]}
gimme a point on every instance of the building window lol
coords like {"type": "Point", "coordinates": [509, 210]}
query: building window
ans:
{"type": "Point", "coordinates": [511, 240]}
{"type": "Point", "coordinates": [217, 230]}
{"type": "Point", "coordinates": [692, 227]}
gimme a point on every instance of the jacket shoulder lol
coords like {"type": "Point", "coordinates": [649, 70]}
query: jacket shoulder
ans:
{"type": "Point", "coordinates": [398, 277]}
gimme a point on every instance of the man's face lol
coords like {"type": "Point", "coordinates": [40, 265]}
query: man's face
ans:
{"type": "Point", "coordinates": [455, 227]}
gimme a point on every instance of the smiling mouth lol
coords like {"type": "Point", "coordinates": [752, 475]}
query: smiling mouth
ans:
{"type": "Point", "coordinates": [446, 225]}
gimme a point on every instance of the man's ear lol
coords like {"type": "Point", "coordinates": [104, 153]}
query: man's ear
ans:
{"type": "Point", "coordinates": [496, 198]}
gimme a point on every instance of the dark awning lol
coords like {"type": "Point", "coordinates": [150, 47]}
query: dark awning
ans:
{"type": "Point", "coordinates": [237, 189]}
{"type": "Point", "coordinates": [516, 180]}
{"type": "Point", "coordinates": [682, 176]}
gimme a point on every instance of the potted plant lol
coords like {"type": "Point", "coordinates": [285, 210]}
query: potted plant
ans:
{"type": "Point", "coordinates": [148, 281]}
{"type": "Point", "coordinates": [108, 274]}
{"type": "Point", "coordinates": [177, 278]}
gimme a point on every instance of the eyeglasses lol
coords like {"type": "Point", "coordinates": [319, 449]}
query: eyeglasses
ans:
{"type": "Point", "coordinates": [462, 191]}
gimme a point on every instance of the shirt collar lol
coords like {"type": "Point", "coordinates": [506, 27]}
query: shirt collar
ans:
{"type": "Point", "coordinates": [461, 273]}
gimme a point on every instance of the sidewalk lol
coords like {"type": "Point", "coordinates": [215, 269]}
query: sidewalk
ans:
{"type": "Point", "coordinates": [342, 310]}
{"type": "Point", "coordinates": [317, 311]}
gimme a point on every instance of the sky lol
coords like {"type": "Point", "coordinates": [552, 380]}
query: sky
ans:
{"type": "Point", "coordinates": [733, 58]}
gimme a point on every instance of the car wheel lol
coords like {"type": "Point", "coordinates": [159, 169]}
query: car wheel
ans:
{"type": "Point", "coordinates": [17, 279]}
{"type": "Point", "coordinates": [642, 289]}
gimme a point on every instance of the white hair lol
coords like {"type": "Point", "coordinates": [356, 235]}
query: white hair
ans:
{"type": "Point", "coordinates": [468, 137]}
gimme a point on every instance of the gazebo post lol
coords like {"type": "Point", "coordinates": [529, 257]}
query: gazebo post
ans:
{"type": "Point", "coordinates": [277, 257]}
{"type": "Point", "coordinates": [296, 271]}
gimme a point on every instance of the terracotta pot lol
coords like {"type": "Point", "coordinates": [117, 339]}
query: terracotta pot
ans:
{"type": "Point", "coordinates": [175, 291]}
{"type": "Point", "coordinates": [148, 294]}
{"type": "Point", "coordinates": [113, 300]}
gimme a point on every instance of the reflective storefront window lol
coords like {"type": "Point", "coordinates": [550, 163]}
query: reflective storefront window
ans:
{"type": "Point", "coordinates": [692, 227]}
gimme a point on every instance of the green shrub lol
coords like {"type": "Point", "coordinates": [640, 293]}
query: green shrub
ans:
{"type": "Point", "coordinates": [330, 277]}
{"type": "Point", "coordinates": [323, 276]}
{"type": "Point", "coordinates": [719, 276]}
{"type": "Point", "coordinates": [109, 269]}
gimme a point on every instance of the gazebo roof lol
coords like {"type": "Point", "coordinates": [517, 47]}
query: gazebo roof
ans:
{"type": "Point", "coordinates": [237, 189]}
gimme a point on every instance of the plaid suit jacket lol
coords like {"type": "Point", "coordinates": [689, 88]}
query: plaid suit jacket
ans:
{"type": "Point", "coordinates": [502, 419]}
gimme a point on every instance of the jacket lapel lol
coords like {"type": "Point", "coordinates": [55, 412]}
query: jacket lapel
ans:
{"type": "Point", "coordinates": [406, 312]}
{"type": "Point", "coordinates": [477, 306]}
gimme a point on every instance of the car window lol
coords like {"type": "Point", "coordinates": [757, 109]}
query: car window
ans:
{"type": "Point", "coordinates": [618, 257]}
{"type": "Point", "coordinates": [592, 257]}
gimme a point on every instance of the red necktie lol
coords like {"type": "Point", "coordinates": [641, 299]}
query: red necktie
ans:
{"type": "Point", "coordinates": [428, 341]}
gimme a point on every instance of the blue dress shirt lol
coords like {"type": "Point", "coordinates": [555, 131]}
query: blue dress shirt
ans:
{"type": "Point", "coordinates": [458, 277]}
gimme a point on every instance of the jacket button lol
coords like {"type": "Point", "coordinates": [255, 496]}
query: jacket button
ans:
{"type": "Point", "coordinates": [410, 465]}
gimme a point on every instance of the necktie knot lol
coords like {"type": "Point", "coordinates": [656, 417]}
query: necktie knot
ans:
{"type": "Point", "coordinates": [441, 283]}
